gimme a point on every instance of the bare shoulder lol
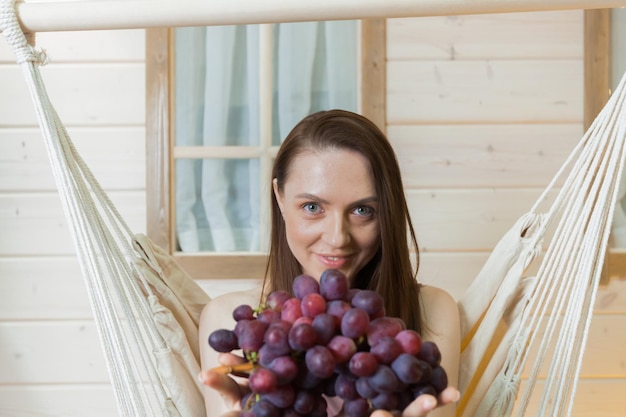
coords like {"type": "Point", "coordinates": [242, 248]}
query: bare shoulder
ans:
{"type": "Point", "coordinates": [440, 310]}
{"type": "Point", "coordinates": [218, 311]}
{"type": "Point", "coordinates": [442, 326]}
{"type": "Point", "coordinates": [434, 299]}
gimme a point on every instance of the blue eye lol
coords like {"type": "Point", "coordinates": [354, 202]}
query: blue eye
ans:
{"type": "Point", "coordinates": [312, 207]}
{"type": "Point", "coordinates": [363, 211]}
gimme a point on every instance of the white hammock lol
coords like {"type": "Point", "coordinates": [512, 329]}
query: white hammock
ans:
{"type": "Point", "coordinates": [146, 308]}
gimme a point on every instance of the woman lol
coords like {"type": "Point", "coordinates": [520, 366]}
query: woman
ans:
{"type": "Point", "coordinates": [338, 203]}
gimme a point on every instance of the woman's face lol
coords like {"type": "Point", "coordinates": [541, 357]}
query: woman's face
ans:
{"type": "Point", "coordinates": [330, 209]}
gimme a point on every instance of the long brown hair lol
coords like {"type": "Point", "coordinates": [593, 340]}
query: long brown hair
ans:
{"type": "Point", "coordinates": [390, 272]}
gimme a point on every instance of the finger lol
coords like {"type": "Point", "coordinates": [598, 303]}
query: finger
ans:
{"type": "Point", "coordinates": [225, 385]}
{"type": "Point", "coordinates": [421, 406]}
{"type": "Point", "coordinates": [449, 395]}
{"type": "Point", "coordinates": [381, 413]}
{"type": "Point", "coordinates": [230, 359]}
{"type": "Point", "coordinates": [231, 414]}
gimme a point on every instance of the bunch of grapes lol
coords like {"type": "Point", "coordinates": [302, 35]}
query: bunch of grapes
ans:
{"type": "Point", "coordinates": [323, 341]}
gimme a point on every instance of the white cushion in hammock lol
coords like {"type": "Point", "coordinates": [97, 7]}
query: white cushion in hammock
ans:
{"type": "Point", "coordinates": [176, 302]}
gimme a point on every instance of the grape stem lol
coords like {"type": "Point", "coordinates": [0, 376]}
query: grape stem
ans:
{"type": "Point", "coordinates": [242, 369]}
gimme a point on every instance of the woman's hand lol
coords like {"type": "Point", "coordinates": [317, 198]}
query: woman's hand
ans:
{"type": "Point", "coordinates": [424, 404]}
{"type": "Point", "coordinates": [231, 388]}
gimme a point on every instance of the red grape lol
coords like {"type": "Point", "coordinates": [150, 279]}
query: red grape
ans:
{"type": "Point", "coordinates": [313, 304]}
{"type": "Point", "coordinates": [292, 310]}
{"type": "Point", "coordinates": [262, 381]}
{"type": "Point", "coordinates": [324, 341]}
{"type": "Point", "coordinates": [363, 364]}
{"type": "Point", "coordinates": [410, 340]}
{"type": "Point", "coordinates": [342, 348]}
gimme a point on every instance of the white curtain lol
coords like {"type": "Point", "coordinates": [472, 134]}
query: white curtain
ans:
{"type": "Point", "coordinates": [217, 104]}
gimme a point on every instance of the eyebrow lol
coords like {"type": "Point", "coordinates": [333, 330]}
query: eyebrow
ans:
{"type": "Point", "coordinates": [308, 196]}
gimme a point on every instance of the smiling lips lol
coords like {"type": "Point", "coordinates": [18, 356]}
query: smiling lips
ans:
{"type": "Point", "coordinates": [334, 262]}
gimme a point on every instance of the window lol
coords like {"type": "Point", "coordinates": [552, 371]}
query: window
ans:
{"type": "Point", "coordinates": [205, 174]}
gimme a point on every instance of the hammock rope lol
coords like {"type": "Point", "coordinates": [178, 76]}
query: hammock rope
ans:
{"type": "Point", "coordinates": [118, 293]}
{"type": "Point", "coordinates": [556, 307]}
{"type": "Point", "coordinates": [146, 308]}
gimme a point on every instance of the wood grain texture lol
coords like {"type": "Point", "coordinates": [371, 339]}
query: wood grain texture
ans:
{"type": "Point", "coordinates": [482, 155]}
{"type": "Point", "coordinates": [484, 91]}
{"type": "Point", "coordinates": [535, 35]}
{"type": "Point", "coordinates": [373, 71]}
{"type": "Point", "coordinates": [25, 164]}
{"type": "Point", "coordinates": [158, 131]}
{"type": "Point", "coordinates": [597, 47]}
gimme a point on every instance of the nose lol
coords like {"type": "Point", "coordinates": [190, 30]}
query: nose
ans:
{"type": "Point", "coordinates": [337, 233]}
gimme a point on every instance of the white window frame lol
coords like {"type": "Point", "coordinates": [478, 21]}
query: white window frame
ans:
{"type": "Point", "coordinates": [162, 152]}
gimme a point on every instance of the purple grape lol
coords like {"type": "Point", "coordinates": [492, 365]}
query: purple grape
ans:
{"type": "Point", "coordinates": [319, 360]}
{"type": "Point", "coordinates": [303, 285]}
{"type": "Point", "coordinates": [364, 388]}
{"type": "Point", "coordinates": [276, 339]}
{"type": "Point", "coordinates": [264, 408]}
{"type": "Point", "coordinates": [386, 350]}
{"type": "Point", "coordinates": [385, 401]}
{"type": "Point", "coordinates": [276, 299]}
{"type": "Point", "coordinates": [355, 323]}
{"type": "Point", "coordinates": [269, 316]}
{"type": "Point", "coordinates": [334, 285]}
{"type": "Point", "coordinates": [383, 327]}
{"type": "Point", "coordinates": [302, 337]}
{"type": "Point", "coordinates": [243, 312]}
{"type": "Point", "coordinates": [324, 325]}
{"type": "Point", "coordinates": [304, 402]}
{"type": "Point", "coordinates": [423, 389]}
{"type": "Point", "coordinates": [439, 379]}
{"type": "Point", "coordinates": [250, 337]}
{"type": "Point", "coordinates": [337, 309]}
{"type": "Point", "coordinates": [345, 387]}
{"type": "Point", "coordinates": [223, 340]}
{"type": "Point", "coordinates": [368, 300]}
{"type": "Point", "coordinates": [429, 352]}
{"type": "Point", "coordinates": [265, 355]}
{"type": "Point", "coordinates": [342, 348]}
{"type": "Point", "coordinates": [358, 407]}
{"type": "Point", "coordinates": [282, 397]}
{"type": "Point", "coordinates": [407, 368]}
{"type": "Point", "coordinates": [285, 368]}
{"type": "Point", "coordinates": [384, 379]}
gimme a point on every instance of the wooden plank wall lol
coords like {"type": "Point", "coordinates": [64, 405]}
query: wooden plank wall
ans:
{"type": "Point", "coordinates": [51, 362]}
{"type": "Point", "coordinates": [482, 110]}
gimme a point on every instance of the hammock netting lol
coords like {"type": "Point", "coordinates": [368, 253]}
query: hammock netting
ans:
{"type": "Point", "coordinates": [515, 325]}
